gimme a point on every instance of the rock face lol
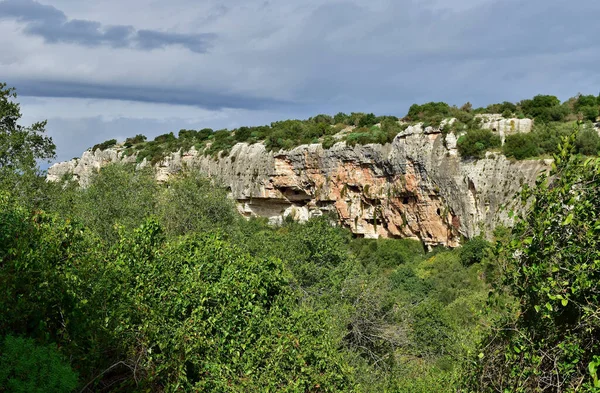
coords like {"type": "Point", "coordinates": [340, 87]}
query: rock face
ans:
{"type": "Point", "coordinates": [505, 127]}
{"type": "Point", "coordinates": [82, 168]}
{"type": "Point", "coordinates": [416, 187]}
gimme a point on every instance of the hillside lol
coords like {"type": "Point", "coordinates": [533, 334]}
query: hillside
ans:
{"type": "Point", "coordinates": [438, 174]}
{"type": "Point", "coordinates": [116, 282]}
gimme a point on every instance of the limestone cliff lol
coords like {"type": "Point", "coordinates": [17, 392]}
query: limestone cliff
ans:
{"type": "Point", "coordinates": [416, 187]}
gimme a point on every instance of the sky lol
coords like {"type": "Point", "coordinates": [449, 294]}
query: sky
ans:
{"type": "Point", "coordinates": [98, 70]}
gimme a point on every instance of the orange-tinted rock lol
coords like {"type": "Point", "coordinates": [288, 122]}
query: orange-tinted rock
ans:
{"type": "Point", "coordinates": [415, 187]}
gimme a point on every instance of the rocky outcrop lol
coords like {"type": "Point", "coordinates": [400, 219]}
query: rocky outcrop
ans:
{"type": "Point", "coordinates": [81, 169]}
{"type": "Point", "coordinates": [416, 187]}
{"type": "Point", "coordinates": [505, 127]}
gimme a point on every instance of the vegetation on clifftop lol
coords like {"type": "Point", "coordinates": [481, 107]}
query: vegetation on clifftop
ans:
{"type": "Point", "coordinates": [552, 120]}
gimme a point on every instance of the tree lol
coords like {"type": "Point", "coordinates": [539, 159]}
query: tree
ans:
{"type": "Point", "coordinates": [520, 146]}
{"type": "Point", "coordinates": [194, 203]}
{"type": "Point", "coordinates": [20, 146]}
{"type": "Point", "coordinates": [548, 339]}
{"type": "Point", "coordinates": [20, 149]}
{"type": "Point", "coordinates": [476, 142]}
{"type": "Point", "coordinates": [118, 194]}
{"type": "Point", "coordinates": [341, 118]}
{"type": "Point", "coordinates": [367, 120]}
{"type": "Point", "coordinates": [588, 142]}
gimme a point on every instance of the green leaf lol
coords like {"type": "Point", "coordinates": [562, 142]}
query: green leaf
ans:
{"type": "Point", "coordinates": [568, 220]}
{"type": "Point", "coordinates": [564, 302]}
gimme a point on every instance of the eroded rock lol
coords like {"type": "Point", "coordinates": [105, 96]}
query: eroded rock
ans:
{"type": "Point", "coordinates": [416, 187]}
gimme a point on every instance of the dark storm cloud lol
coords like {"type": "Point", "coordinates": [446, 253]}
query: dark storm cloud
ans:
{"type": "Point", "coordinates": [329, 56]}
{"type": "Point", "coordinates": [322, 56]}
{"type": "Point", "coordinates": [55, 27]}
{"type": "Point", "coordinates": [208, 100]}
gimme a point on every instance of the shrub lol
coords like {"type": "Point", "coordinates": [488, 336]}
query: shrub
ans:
{"type": "Point", "coordinates": [520, 146]}
{"type": "Point", "coordinates": [367, 120]}
{"type": "Point", "coordinates": [501, 108]}
{"type": "Point", "coordinates": [429, 110]}
{"type": "Point", "coordinates": [476, 142]}
{"type": "Point", "coordinates": [341, 118]}
{"type": "Point", "coordinates": [588, 142]}
{"type": "Point", "coordinates": [104, 145]}
{"type": "Point", "coordinates": [431, 331]}
{"type": "Point", "coordinates": [193, 203]}
{"type": "Point", "coordinates": [549, 336]}
{"type": "Point", "coordinates": [544, 108]}
{"type": "Point", "coordinates": [26, 367]}
{"type": "Point", "coordinates": [165, 138]}
{"type": "Point", "coordinates": [328, 142]}
{"type": "Point", "coordinates": [405, 279]}
{"type": "Point", "coordinates": [548, 136]}
{"type": "Point", "coordinates": [324, 119]}
{"type": "Point", "coordinates": [585, 101]}
{"type": "Point", "coordinates": [474, 251]}
{"type": "Point", "coordinates": [139, 138]}
{"type": "Point", "coordinates": [117, 194]}
{"type": "Point", "coordinates": [589, 112]}
{"type": "Point", "coordinates": [242, 134]}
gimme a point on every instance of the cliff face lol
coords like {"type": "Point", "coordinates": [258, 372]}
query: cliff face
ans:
{"type": "Point", "coordinates": [416, 187]}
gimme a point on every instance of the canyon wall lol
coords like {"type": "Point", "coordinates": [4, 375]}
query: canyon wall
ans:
{"type": "Point", "coordinates": [416, 187]}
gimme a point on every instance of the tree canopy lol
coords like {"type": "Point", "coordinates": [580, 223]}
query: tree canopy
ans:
{"type": "Point", "coordinates": [548, 339]}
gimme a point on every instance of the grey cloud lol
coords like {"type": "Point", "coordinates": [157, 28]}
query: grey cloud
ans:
{"type": "Point", "coordinates": [497, 50]}
{"type": "Point", "coordinates": [150, 39]}
{"type": "Point", "coordinates": [182, 96]}
{"type": "Point", "coordinates": [28, 10]}
{"type": "Point", "coordinates": [54, 26]}
{"type": "Point", "coordinates": [360, 55]}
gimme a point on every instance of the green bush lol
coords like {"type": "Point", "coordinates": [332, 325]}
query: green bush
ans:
{"type": "Point", "coordinates": [432, 334]}
{"type": "Point", "coordinates": [405, 279]}
{"type": "Point", "coordinates": [544, 108]}
{"type": "Point", "coordinates": [139, 138]}
{"type": "Point", "coordinates": [192, 203]}
{"type": "Point", "coordinates": [427, 111]}
{"type": "Point", "coordinates": [590, 113]}
{"type": "Point", "coordinates": [503, 108]}
{"type": "Point", "coordinates": [118, 194]}
{"type": "Point", "coordinates": [212, 318]}
{"type": "Point", "coordinates": [367, 120]}
{"type": "Point", "coordinates": [341, 118]}
{"type": "Point", "coordinates": [328, 142]}
{"type": "Point", "coordinates": [325, 119]}
{"type": "Point", "coordinates": [585, 101]}
{"type": "Point", "coordinates": [165, 138]}
{"type": "Point", "coordinates": [549, 335]}
{"type": "Point", "coordinates": [520, 146]}
{"type": "Point", "coordinates": [26, 367]}
{"type": "Point", "coordinates": [474, 251]}
{"type": "Point", "coordinates": [476, 142]}
{"type": "Point", "coordinates": [588, 142]}
{"type": "Point", "coordinates": [104, 145]}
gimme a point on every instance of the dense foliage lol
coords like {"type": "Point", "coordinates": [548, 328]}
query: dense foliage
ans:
{"type": "Point", "coordinates": [476, 142]}
{"type": "Point", "coordinates": [20, 149]}
{"type": "Point", "coordinates": [26, 367]}
{"type": "Point", "coordinates": [545, 138]}
{"type": "Point", "coordinates": [548, 340]}
{"type": "Point", "coordinates": [127, 285]}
